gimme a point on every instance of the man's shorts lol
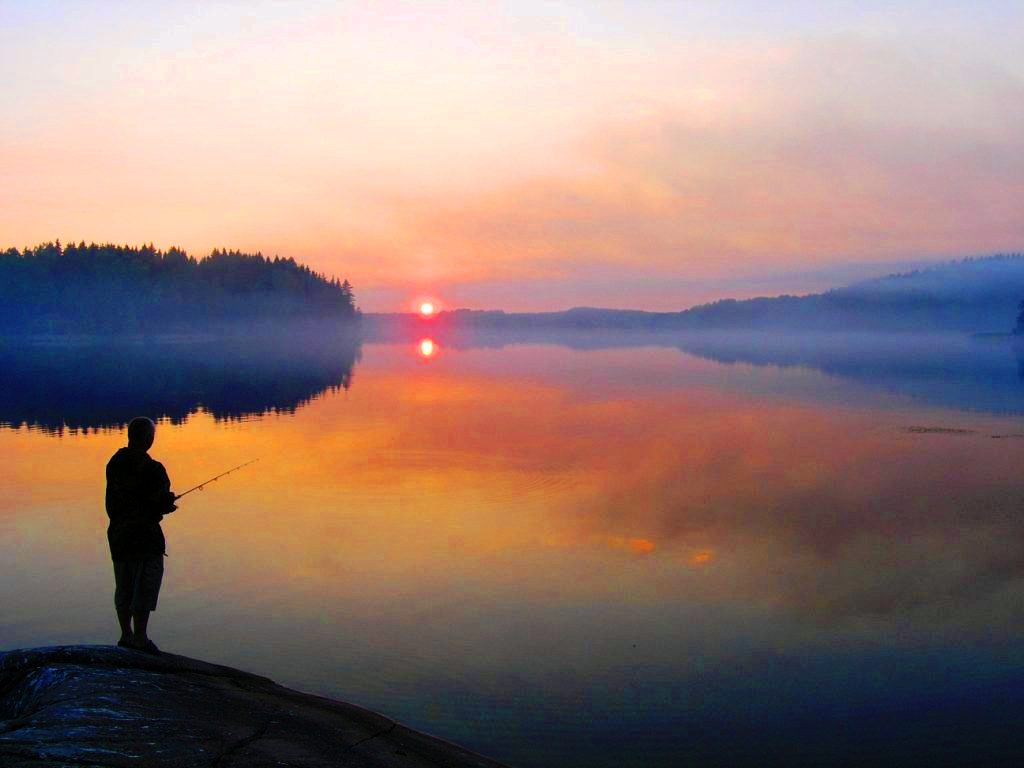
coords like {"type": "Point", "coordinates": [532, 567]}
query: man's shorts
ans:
{"type": "Point", "coordinates": [137, 583]}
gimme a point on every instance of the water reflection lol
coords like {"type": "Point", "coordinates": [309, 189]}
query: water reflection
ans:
{"type": "Point", "coordinates": [428, 348]}
{"type": "Point", "coordinates": [952, 370]}
{"type": "Point", "coordinates": [596, 558]}
{"type": "Point", "coordinates": [55, 387]}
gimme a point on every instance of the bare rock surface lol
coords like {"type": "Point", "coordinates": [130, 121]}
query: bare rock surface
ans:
{"type": "Point", "coordinates": [106, 707]}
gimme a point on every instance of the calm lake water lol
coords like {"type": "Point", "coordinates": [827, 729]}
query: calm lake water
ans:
{"type": "Point", "coordinates": [561, 552]}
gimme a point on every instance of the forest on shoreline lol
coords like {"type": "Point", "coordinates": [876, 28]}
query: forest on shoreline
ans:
{"type": "Point", "coordinates": [54, 288]}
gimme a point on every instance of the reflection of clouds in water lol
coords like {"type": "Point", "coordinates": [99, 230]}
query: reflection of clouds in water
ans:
{"type": "Point", "coordinates": [836, 513]}
{"type": "Point", "coordinates": [635, 546]}
{"type": "Point", "coordinates": [810, 511]}
{"type": "Point", "coordinates": [702, 557]}
{"type": "Point", "coordinates": [513, 543]}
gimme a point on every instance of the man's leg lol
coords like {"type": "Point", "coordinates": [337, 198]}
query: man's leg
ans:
{"type": "Point", "coordinates": [151, 575]}
{"type": "Point", "coordinates": [141, 620]}
{"type": "Point", "coordinates": [124, 618]}
{"type": "Point", "coordinates": [123, 588]}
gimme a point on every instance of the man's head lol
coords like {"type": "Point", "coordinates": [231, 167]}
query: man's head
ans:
{"type": "Point", "coordinates": [141, 433]}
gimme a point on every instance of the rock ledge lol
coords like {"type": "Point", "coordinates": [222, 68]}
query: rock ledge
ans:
{"type": "Point", "coordinates": [106, 707]}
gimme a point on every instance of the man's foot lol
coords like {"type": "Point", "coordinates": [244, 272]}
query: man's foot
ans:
{"type": "Point", "coordinates": [147, 646]}
{"type": "Point", "coordinates": [125, 642]}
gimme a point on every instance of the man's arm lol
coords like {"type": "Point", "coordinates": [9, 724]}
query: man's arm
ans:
{"type": "Point", "coordinates": [161, 501]}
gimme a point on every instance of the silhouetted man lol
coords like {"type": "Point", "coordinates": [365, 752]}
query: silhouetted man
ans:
{"type": "Point", "coordinates": [138, 497]}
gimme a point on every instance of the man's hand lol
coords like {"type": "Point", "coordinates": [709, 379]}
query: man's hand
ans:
{"type": "Point", "coordinates": [167, 502]}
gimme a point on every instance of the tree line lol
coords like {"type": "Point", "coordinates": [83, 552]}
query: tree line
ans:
{"type": "Point", "coordinates": [55, 288]}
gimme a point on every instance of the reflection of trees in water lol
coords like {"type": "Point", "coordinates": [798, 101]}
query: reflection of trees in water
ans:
{"type": "Point", "coordinates": [57, 387]}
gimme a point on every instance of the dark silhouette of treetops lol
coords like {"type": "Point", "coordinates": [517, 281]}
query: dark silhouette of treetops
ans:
{"type": "Point", "coordinates": [114, 288]}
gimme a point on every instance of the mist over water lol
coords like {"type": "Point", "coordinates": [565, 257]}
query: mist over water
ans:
{"type": "Point", "coordinates": [567, 549]}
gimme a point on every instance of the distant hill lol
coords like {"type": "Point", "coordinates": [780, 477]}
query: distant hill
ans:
{"type": "Point", "coordinates": [978, 294]}
{"type": "Point", "coordinates": [119, 288]}
{"type": "Point", "coordinates": [973, 295]}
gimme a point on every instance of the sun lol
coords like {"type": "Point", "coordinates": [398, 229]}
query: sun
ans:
{"type": "Point", "coordinates": [428, 348]}
{"type": "Point", "coordinates": [426, 309]}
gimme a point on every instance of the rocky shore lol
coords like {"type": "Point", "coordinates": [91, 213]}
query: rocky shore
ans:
{"type": "Point", "coordinates": [106, 707]}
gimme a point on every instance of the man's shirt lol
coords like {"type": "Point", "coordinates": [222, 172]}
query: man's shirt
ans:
{"type": "Point", "coordinates": [138, 496]}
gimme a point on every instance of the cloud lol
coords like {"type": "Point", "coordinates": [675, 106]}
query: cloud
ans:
{"type": "Point", "coordinates": [826, 153]}
{"type": "Point", "coordinates": [466, 150]}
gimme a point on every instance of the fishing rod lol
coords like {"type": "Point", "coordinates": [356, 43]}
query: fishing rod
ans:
{"type": "Point", "coordinates": [213, 479]}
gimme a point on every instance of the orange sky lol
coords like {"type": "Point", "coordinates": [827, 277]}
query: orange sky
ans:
{"type": "Point", "coordinates": [526, 156]}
